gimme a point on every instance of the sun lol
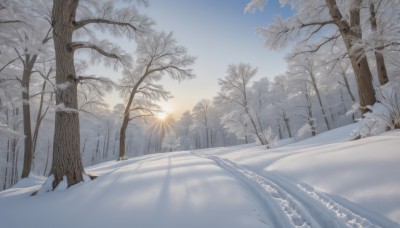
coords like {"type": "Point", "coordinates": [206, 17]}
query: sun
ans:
{"type": "Point", "coordinates": [162, 115]}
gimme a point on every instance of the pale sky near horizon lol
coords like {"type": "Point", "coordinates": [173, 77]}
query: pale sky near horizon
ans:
{"type": "Point", "coordinates": [218, 33]}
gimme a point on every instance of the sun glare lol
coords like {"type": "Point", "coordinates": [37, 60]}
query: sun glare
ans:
{"type": "Point", "coordinates": [162, 115]}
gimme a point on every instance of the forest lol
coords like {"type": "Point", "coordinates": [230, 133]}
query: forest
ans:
{"type": "Point", "coordinates": [343, 67]}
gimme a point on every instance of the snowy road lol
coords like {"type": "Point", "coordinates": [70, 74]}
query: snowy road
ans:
{"type": "Point", "coordinates": [235, 187]}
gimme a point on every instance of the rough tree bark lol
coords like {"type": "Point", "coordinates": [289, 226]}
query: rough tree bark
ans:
{"type": "Point", "coordinates": [66, 148]}
{"type": "Point", "coordinates": [380, 61]}
{"type": "Point", "coordinates": [351, 31]}
{"type": "Point", "coordinates": [26, 113]}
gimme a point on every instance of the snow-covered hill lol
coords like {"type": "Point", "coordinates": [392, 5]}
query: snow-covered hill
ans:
{"type": "Point", "coordinates": [325, 181]}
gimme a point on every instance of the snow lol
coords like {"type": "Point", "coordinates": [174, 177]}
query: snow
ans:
{"type": "Point", "coordinates": [328, 180]}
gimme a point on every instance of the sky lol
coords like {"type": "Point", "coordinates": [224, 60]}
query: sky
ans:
{"type": "Point", "coordinates": [218, 33]}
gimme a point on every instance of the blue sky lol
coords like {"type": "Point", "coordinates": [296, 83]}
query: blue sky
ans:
{"type": "Point", "coordinates": [218, 33]}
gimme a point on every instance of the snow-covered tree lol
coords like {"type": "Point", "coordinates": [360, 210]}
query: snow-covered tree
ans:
{"type": "Point", "coordinates": [69, 18]}
{"type": "Point", "coordinates": [158, 54]}
{"type": "Point", "coordinates": [318, 23]}
{"type": "Point", "coordinates": [170, 142]}
{"type": "Point", "coordinates": [183, 130]}
{"type": "Point", "coordinates": [306, 69]}
{"type": "Point", "coordinates": [235, 89]}
{"type": "Point", "coordinates": [201, 113]}
{"type": "Point", "coordinates": [28, 42]}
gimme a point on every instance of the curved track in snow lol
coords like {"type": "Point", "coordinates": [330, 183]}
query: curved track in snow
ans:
{"type": "Point", "coordinates": [294, 205]}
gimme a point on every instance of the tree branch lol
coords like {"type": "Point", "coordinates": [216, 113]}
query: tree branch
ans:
{"type": "Point", "coordinates": [11, 21]}
{"type": "Point", "coordinates": [79, 45]}
{"type": "Point", "coordinates": [10, 62]}
{"type": "Point", "coordinates": [84, 22]}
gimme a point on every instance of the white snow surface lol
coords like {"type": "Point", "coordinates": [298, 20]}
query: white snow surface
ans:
{"type": "Point", "coordinates": [324, 181]}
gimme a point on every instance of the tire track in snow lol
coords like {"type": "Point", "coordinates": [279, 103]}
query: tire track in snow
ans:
{"type": "Point", "coordinates": [342, 213]}
{"type": "Point", "coordinates": [302, 205]}
{"type": "Point", "coordinates": [283, 210]}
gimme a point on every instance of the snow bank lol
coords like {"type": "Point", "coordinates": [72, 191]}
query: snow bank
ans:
{"type": "Point", "coordinates": [361, 174]}
{"type": "Point", "coordinates": [365, 171]}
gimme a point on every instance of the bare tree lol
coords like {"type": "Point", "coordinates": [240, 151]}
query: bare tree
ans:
{"type": "Point", "coordinates": [234, 89]}
{"type": "Point", "coordinates": [71, 17]}
{"type": "Point", "coordinates": [157, 54]}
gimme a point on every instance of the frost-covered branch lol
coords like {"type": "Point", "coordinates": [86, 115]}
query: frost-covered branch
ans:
{"type": "Point", "coordinates": [84, 22]}
{"type": "Point", "coordinates": [120, 21]}
{"type": "Point", "coordinates": [253, 5]}
{"type": "Point", "coordinates": [103, 48]}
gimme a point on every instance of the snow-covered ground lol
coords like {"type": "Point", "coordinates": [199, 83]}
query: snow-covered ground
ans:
{"type": "Point", "coordinates": [324, 181]}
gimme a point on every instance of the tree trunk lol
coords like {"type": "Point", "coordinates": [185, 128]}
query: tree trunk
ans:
{"type": "Point", "coordinates": [13, 148]}
{"type": "Point", "coordinates": [14, 170]}
{"type": "Point", "coordinates": [262, 140]}
{"type": "Point", "coordinates": [211, 137]}
{"type": "Point", "coordinates": [315, 86]}
{"type": "Point", "coordinates": [208, 138]}
{"type": "Point", "coordinates": [279, 128]}
{"type": "Point", "coordinates": [343, 102]}
{"type": "Point", "coordinates": [97, 152]}
{"type": "Point", "coordinates": [7, 161]}
{"type": "Point", "coordinates": [39, 118]}
{"type": "Point", "coordinates": [122, 132]}
{"type": "Point", "coordinates": [310, 113]}
{"type": "Point", "coordinates": [26, 77]}
{"type": "Point", "coordinates": [83, 147]}
{"type": "Point", "coordinates": [332, 116]}
{"type": "Point", "coordinates": [67, 159]}
{"type": "Point", "coordinates": [349, 32]}
{"type": "Point", "coordinates": [246, 137]}
{"type": "Point", "coordinates": [346, 83]}
{"type": "Point", "coordinates": [286, 121]}
{"type": "Point", "coordinates": [106, 146]}
{"type": "Point", "coordinates": [115, 142]}
{"type": "Point", "coordinates": [47, 158]}
{"type": "Point", "coordinates": [8, 153]}
{"type": "Point", "coordinates": [380, 61]}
